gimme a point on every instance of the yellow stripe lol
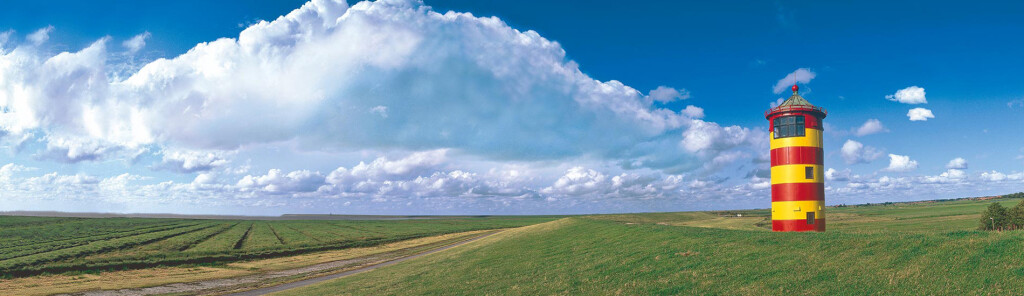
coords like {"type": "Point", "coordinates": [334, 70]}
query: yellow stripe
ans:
{"type": "Point", "coordinates": [796, 173]}
{"type": "Point", "coordinates": [797, 210]}
{"type": "Point", "coordinates": [811, 138]}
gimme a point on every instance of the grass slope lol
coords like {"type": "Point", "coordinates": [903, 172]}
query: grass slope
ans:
{"type": "Point", "coordinates": [901, 249]}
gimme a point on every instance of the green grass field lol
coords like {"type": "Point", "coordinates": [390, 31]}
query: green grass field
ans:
{"type": "Point", "coordinates": [928, 248]}
{"type": "Point", "coordinates": [35, 245]}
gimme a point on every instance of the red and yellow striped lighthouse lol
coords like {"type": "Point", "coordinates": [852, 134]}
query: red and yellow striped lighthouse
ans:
{"type": "Point", "coordinates": [798, 182]}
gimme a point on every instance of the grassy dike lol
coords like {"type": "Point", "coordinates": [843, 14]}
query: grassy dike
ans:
{"type": "Point", "coordinates": [903, 249]}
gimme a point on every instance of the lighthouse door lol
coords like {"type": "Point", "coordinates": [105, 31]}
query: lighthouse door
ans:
{"type": "Point", "coordinates": [810, 217]}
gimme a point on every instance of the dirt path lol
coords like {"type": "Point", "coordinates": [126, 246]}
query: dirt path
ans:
{"type": "Point", "coordinates": [254, 280]}
{"type": "Point", "coordinates": [307, 282]}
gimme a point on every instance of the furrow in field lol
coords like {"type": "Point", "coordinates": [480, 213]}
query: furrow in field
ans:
{"type": "Point", "coordinates": [290, 236]}
{"type": "Point", "coordinates": [279, 240]}
{"type": "Point", "coordinates": [306, 234]}
{"type": "Point", "coordinates": [261, 237]}
{"type": "Point", "coordinates": [238, 244]}
{"type": "Point", "coordinates": [225, 241]}
{"type": "Point", "coordinates": [182, 242]}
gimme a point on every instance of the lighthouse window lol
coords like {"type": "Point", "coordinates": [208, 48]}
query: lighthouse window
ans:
{"type": "Point", "coordinates": [788, 126]}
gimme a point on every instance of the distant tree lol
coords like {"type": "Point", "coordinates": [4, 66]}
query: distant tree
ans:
{"type": "Point", "coordinates": [994, 217]}
{"type": "Point", "coordinates": [1016, 216]}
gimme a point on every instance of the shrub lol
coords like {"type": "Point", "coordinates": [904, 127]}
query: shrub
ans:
{"type": "Point", "coordinates": [995, 217]}
{"type": "Point", "coordinates": [1016, 216]}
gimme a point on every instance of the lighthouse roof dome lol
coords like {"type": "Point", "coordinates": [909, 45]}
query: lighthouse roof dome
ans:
{"type": "Point", "coordinates": [796, 100]}
{"type": "Point", "coordinates": [795, 103]}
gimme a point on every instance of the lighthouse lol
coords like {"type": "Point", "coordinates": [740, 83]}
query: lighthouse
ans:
{"type": "Point", "coordinates": [798, 180]}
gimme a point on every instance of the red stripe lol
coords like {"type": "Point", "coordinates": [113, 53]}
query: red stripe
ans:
{"type": "Point", "coordinates": [797, 155]}
{"type": "Point", "coordinates": [798, 191]}
{"type": "Point", "coordinates": [811, 121]}
{"type": "Point", "coordinates": [798, 225]}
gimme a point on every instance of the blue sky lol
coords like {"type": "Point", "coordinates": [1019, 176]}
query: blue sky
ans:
{"type": "Point", "coordinates": [495, 107]}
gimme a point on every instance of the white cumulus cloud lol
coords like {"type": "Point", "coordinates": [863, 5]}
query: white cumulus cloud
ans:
{"type": "Point", "coordinates": [8, 170]}
{"type": "Point", "coordinates": [957, 163]}
{"type": "Point", "coordinates": [190, 161]}
{"type": "Point", "coordinates": [69, 150]}
{"type": "Point", "coordinates": [995, 176]}
{"type": "Point", "coordinates": [901, 163]}
{"type": "Point", "coordinates": [872, 126]}
{"type": "Point", "coordinates": [801, 75]}
{"type": "Point", "coordinates": [372, 175]}
{"type": "Point", "coordinates": [40, 36]}
{"type": "Point", "coordinates": [855, 152]}
{"type": "Point", "coordinates": [136, 43]}
{"type": "Point", "coordinates": [705, 136]}
{"type": "Point", "coordinates": [693, 112]}
{"type": "Point", "coordinates": [949, 176]}
{"type": "Point", "coordinates": [665, 94]}
{"type": "Point", "coordinates": [909, 95]}
{"type": "Point", "coordinates": [578, 181]}
{"type": "Point", "coordinates": [277, 182]}
{"type": "Point", "coordinates": [204, 178]}
{"type": "Point", "coordinates": [920, 114]}
{"type": "Point", "coordinates": [832, 174]}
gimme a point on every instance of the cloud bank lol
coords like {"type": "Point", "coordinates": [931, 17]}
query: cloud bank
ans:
{"type": "Point", "coordinates": [387, 74]}
{"type": "Point", "coordinates": [391, 77]}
